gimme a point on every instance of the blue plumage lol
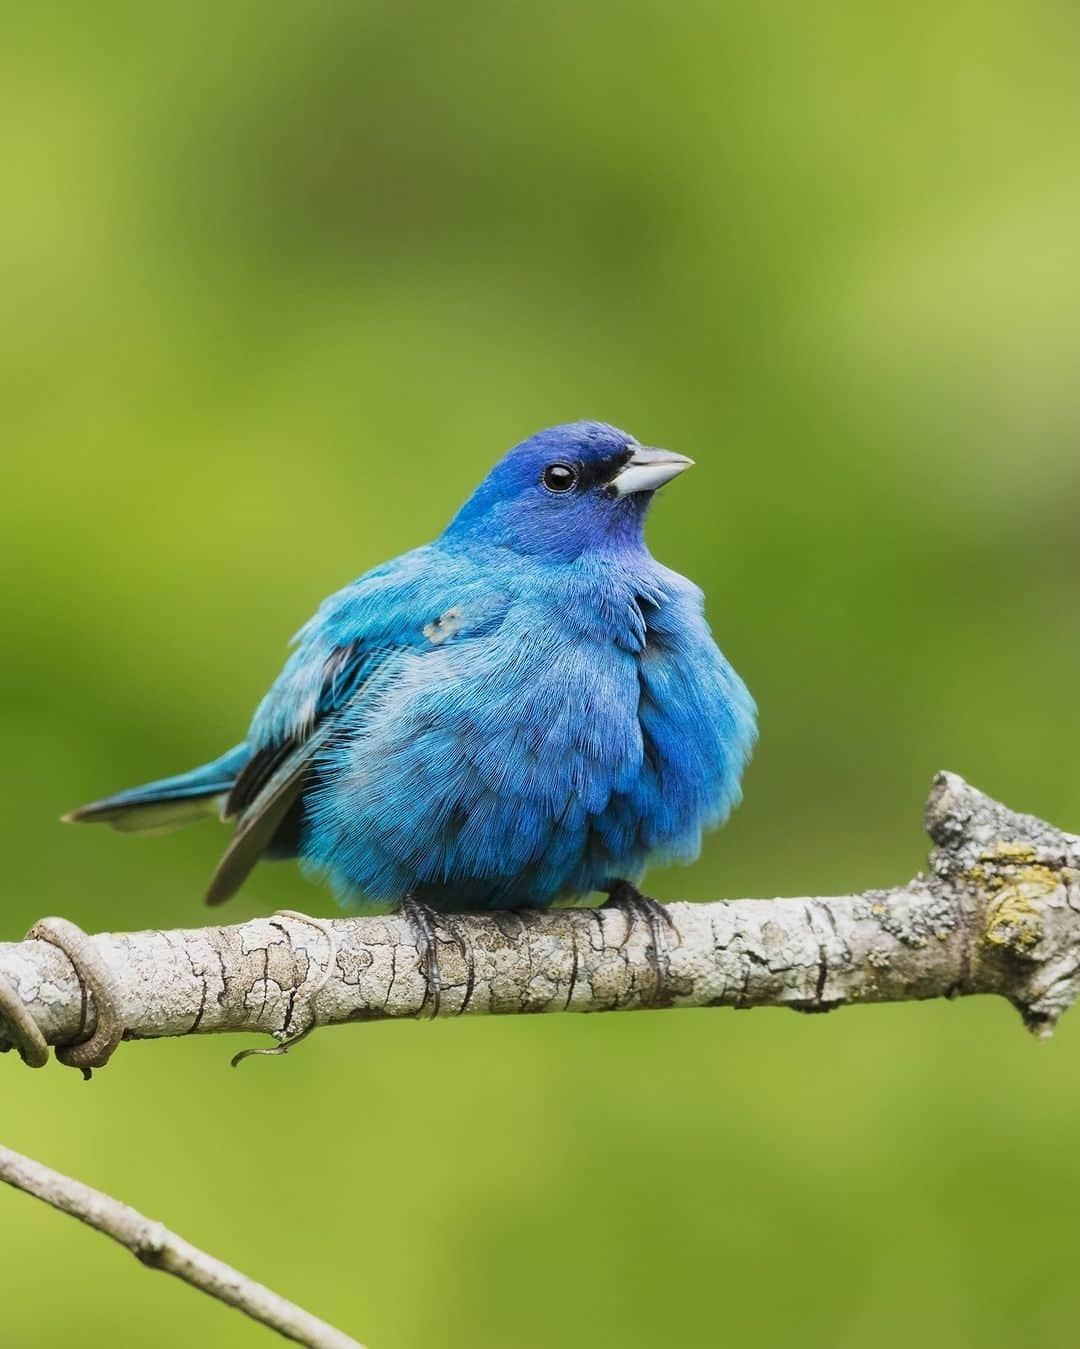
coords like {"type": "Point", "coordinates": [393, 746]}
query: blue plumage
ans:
{"type": "Point", "coordinates": [526, 710]}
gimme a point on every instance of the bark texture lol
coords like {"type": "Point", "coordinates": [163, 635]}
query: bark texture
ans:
{"type": "Point", "coordinates": [998, 911]}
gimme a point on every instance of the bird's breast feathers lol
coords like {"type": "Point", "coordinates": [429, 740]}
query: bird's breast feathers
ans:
{"type": "Point", "coordinates": [531, 741]}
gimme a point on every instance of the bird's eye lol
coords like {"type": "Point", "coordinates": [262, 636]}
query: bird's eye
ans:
{"type": "Point", "coordinates": [559, 477]}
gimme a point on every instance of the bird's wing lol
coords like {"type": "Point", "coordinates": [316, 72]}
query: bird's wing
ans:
{"type": "Point", "coordinates": [260, 822]}
{"type": "Point", "coordinates": [351, 643]}
{"type": "Point", "coordinates": [313, 688]}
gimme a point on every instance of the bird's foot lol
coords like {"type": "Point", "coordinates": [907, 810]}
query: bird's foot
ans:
{"type": "Point", "coordinates": [635, 906]}
{"type": "Point", "coordinates": [424, 921]}
{"type": "Point", "coordinates": [273, 1051]}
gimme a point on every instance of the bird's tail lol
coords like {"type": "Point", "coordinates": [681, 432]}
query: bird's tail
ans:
{"type": "Point", "coordinates": [169, 803]}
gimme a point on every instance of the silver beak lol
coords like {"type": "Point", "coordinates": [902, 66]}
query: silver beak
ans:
{"type": "Point", "coordinates": [647, 469]}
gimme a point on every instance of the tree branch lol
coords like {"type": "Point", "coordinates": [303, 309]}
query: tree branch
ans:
{"type": "Point", "coordinates": [997, 912]}
{"type": "Point", "coordinates": [161, 1249]}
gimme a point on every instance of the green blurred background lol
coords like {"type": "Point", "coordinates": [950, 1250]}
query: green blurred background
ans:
{"type": "Point", "coordinates": [282, 281]}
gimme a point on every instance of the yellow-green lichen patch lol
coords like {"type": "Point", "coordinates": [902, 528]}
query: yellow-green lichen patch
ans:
{"type": "Point", "coordinates": [1004, 850]}
{"type": "Point", "coordinates": [1015, 921]}
{"type": "Point", "coordinates": [983, 878]}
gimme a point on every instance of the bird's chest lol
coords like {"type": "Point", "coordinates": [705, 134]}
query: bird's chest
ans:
{"type": "Point", "coordinates": [529, 760]}
{"type": "Point", "coordinates": [616, 711]}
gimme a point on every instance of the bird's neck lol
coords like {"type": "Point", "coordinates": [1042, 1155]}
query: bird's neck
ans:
{"type": "Point", "coordinates": [617, 535]}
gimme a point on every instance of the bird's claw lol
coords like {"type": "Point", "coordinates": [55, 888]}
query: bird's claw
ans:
{"type": "Point", "coordinates": [422, 918]}
{"type": "Point", "coordinates": [635, 906]}
{"type": "Point", "coordinates": [424, 921]}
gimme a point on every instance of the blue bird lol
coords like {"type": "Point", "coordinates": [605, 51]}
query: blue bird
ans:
{"type": "Point", "coordinates": [527, 710]}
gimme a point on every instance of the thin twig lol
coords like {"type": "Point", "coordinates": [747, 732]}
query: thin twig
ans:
{"type": "Point", "coordinates": [156, 1246]}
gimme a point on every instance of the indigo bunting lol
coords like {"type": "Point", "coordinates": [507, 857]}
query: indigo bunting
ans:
{"type": "Point", "coordinates": [527, 710]}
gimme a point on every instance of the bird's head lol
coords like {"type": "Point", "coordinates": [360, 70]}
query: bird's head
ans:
{"type": "Point", "coordinates": [568, 490]}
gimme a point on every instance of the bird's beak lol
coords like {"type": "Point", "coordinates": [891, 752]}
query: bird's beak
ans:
{"type": "Point", "coordinates": [647, 469]}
